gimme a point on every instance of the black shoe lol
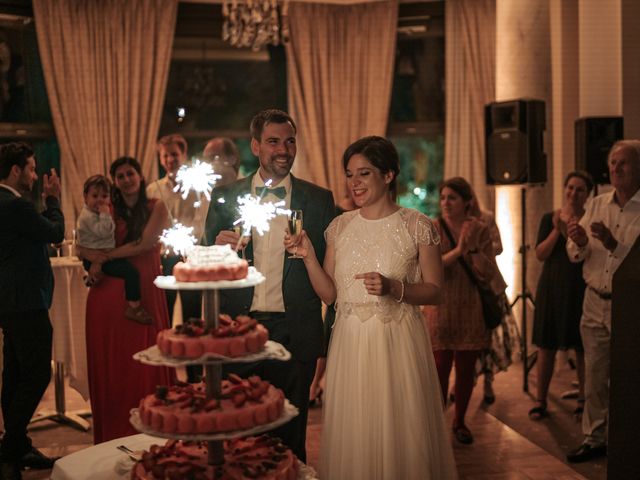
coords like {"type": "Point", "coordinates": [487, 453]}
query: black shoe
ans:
{"type": "Point", "coordinates": [10, 471]}
{"type": "Point", "coordinates": [586, 452]}
{"type": "Point", "coordinates": [37, 460]}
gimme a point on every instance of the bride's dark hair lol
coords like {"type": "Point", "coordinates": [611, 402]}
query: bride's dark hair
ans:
{"type": "Point", "coordinates": [135, 217]}
{"type": "Point", "coordinates": [380, 152]}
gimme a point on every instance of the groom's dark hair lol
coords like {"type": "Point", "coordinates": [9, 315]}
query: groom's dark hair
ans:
{"type": "Point", "coordinates": [271, 115]}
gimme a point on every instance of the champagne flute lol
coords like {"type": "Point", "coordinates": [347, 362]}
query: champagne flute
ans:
{"type": "Point", "coordinates": [295, 227]}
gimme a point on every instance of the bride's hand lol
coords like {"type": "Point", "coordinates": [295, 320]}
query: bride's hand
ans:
{"type": "Point", "coordinates": [375, 283]}
{"type": "Point", "coordinates": [298, 244]}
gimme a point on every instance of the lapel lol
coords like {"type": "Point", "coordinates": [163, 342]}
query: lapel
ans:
{"type": "Point", "coordinates": [298, 202]}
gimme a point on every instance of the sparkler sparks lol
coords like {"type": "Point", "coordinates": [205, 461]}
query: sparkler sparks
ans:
{"type": "Point", "coordinates": [178, 239]}
{"type": "Point", "coordinates": [199, 177]}
{"type": "Point", "coordinates": [254, 214]}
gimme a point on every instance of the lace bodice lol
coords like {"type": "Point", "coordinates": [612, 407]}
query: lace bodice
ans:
{"type": "Point", "coordinates": [388, 245]}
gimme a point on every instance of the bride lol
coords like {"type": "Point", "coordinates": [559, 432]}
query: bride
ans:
{"type": "Point", "coordinates": [383, 414]}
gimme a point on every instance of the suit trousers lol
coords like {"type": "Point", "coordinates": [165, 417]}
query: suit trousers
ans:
{"type": "Point", "coordinates": [293, 377]}
{"type": "Point", "coordinates": [25, 377]}
{"type": "Point", "coordinates": [595, 329]}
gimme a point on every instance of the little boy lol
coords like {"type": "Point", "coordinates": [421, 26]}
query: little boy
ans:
{"type": "Point", "coordinates": [95, 230]}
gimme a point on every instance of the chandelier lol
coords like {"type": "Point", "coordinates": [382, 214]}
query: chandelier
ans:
{"type": "Point", "coordinates": [254, 23]}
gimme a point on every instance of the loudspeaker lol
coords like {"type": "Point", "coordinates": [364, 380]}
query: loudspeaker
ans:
{"type": "Point", "coordinates": [514, 142]}
{"type": "Point", "coordinates": [594, 138]}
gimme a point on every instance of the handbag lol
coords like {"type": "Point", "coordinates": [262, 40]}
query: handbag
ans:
{"type": "Point", "coordinates": [492, 304]}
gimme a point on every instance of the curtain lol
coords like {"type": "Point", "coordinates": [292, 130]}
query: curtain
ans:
{"type": "Point", "coordinates": [105, 65]}
{"type": "Point", "coordinates": [340, 63]}
{"type": "Point", "coordinates": [470, 59]}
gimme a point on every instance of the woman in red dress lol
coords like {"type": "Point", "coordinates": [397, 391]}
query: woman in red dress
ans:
{"type": "Point", "coordinates": [117, 382]}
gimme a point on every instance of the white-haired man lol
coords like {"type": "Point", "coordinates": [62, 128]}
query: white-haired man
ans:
{"type": "Point", "coordinates": [602, 238]}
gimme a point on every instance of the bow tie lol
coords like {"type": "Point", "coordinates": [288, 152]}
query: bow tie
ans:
{"type": "Point", "coordinates": [279, 192]}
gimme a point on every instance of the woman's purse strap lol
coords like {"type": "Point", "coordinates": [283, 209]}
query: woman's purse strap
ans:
{"type": "Point", "coordinates": [461, 259]}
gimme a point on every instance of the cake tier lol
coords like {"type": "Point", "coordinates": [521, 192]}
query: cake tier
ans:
{"type": "Point", "coordinates": [187, 272]}
{"type": "Point", "coordinates": [184, 408]}
{"type": "Point", "coordinates": [232, 338]}
{"type": "Point", "coordinates": [262, 457]}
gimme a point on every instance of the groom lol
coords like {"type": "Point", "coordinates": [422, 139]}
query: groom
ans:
{"type": "Point", "coordinates": [286, 302]}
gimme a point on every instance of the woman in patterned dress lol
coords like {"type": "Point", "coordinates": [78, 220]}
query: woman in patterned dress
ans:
{"type": "Point", "coordinates": [457, 327]}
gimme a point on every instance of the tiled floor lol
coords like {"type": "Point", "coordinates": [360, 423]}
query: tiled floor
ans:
{"type": "Point", "coordinates": [500, 451]}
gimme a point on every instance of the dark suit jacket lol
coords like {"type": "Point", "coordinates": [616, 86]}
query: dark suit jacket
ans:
{"type": "Point", "coordinates": [303, 307]}
{"type": "Point", "coordinates": [26, 278]}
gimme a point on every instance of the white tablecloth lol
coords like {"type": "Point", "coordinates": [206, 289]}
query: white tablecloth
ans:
{"type": "Point", "coordinates": [103, 461]}
{"type": "Point", "coordinates": [67, 315]}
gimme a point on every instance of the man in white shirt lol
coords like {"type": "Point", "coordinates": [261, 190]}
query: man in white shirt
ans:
{"type": "Point", "coordinates": [172, 150]}
{"type": "Point", "coordinates": [286, 302]}
{"type": "Point", "coordinates": [602, 238]}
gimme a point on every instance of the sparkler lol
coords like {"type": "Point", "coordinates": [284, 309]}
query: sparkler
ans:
{"type": "Point", "coordinates": [254, 214]}
{"type": "Point", "coordinates": [178, 238]}
{"type": "Point", "coordinates": [199, 177]}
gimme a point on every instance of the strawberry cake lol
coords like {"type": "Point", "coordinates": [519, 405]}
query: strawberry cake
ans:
{"type": "Point", "coordinates": [210, 264]}
{"type": "Point", "coordinates": [232, 338]}
{"type": "Point", "coordinates": [263, 458]}
{"type": "Point", "coordinates": [184, 408]}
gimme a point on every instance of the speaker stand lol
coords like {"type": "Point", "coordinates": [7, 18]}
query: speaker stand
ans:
{"type": "Point", "coordinates": [528, 361]}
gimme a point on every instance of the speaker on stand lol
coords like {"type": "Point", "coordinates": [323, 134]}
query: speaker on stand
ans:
{"type": "Point", "coordinates": [514, 132]}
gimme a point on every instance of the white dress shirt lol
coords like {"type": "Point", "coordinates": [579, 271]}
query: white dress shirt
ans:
{"type": "Point", "coordinates": [624, 223]}
{"type": "Point", "coordinates": [182, 211]}
{"type": "Point", "coordinates": [11, 189]}
{"type": "Point", "coordinates": [268, 252]}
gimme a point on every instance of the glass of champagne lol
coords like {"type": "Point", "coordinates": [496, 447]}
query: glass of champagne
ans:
{"type": "Point", "coordinates": [295, 227]}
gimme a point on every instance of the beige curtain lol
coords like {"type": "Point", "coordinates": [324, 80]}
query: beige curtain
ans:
{"type": "Point", "coordinates": [105, 65]}
{"type": "Point", "coordinates": [340, 69]}
{"type": "Point", "coordinates": [470, 58]}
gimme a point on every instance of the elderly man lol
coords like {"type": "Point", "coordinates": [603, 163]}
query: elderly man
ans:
{"type": "Point", "coordinates": [223, 155]}
{"type": "Point", "coordinates": [602, 239]}
{"type": "Point", "coordinates": [26, 291]}
{"type": "Point", "coordinates": [172, 150]}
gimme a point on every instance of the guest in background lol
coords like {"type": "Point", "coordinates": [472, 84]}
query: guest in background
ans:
{"type": "Point", "coordinates": [457, 326]}
{"type": "Point", "coordinates": [560, 292]}
{"type": "Point", "coordinates": [117, 382]}
{"type": "Point", "coordinates": [26, 291]}
{"type": "Point", "coordinates": [612, 221]}
{"type": "Point", "coordinates": [498, 357]}
{"type": "Point", "coordinates": [96, 230]}
{"type": "Point", "coordinates": [172, 150]}
{"type": "Point", "coordinates": [223, 155]}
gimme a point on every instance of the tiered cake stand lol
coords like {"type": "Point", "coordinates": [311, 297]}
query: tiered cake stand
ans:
{"type": "Point", "coordinates": [213, 364]}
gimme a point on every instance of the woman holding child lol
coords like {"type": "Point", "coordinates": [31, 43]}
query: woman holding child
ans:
{"type": "Point", "coordinates": [116, 381]}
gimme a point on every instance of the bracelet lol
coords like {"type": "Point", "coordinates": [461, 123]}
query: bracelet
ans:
{"type": "Point", "coordinates": [401, 293]}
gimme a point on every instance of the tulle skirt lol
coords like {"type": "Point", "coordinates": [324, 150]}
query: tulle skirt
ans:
{"type": "Point", "coordinates": [383, 414]}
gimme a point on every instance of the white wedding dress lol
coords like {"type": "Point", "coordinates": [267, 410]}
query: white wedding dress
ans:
{"type": "Point", "coordinates": [383, 415]}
